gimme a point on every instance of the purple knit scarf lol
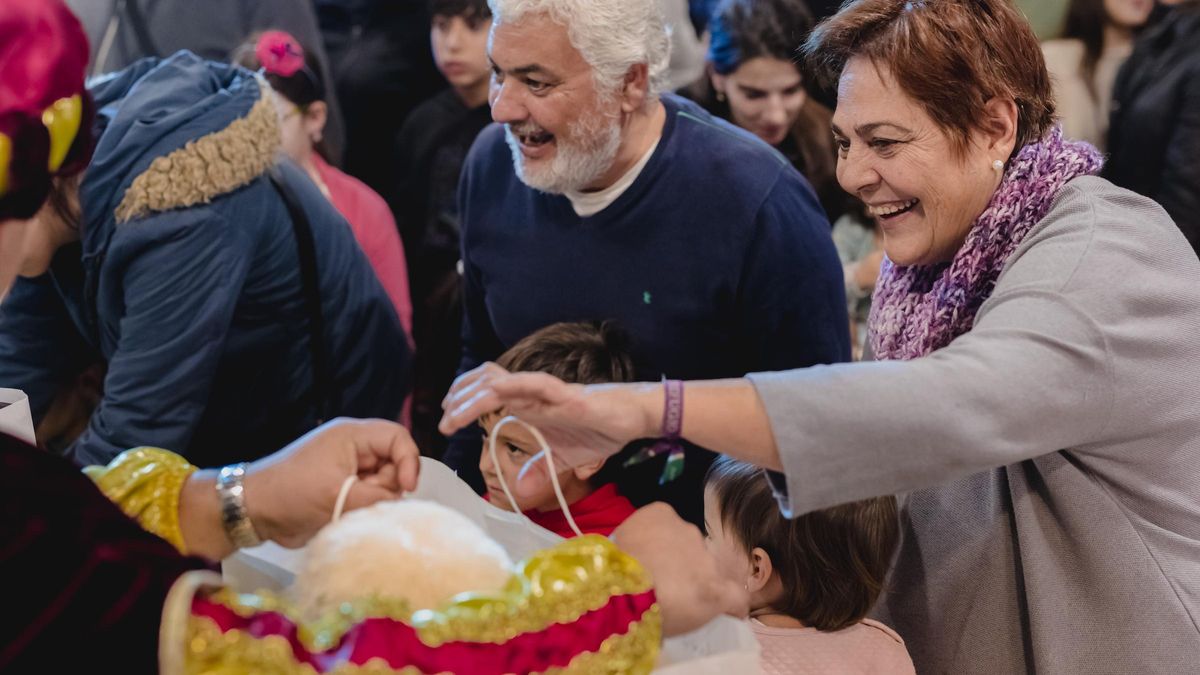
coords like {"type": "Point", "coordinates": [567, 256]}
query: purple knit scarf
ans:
{"type": "Point", "coordinates": [919, 309]}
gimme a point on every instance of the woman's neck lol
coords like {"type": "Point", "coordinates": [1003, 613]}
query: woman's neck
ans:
{"type": "Point", "coordinates": [774, 619]}
{"type": "Point", "coordinates": [310, 167]}
{"type": "Point", "coordinates": [1117, 38]}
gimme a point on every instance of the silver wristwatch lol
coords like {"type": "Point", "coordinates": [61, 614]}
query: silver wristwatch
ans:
{"type": "Point", "coordinates": [233, 507]}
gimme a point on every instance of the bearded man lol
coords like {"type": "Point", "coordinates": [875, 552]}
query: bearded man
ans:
{"type": "Point", "coordinates": [598, 197]}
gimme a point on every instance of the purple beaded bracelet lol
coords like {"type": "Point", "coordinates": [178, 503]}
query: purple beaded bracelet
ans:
{"type": "Point", "coordinates": [669, 442]}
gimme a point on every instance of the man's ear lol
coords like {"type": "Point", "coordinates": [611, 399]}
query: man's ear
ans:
{"type": "Point", "coordinates": [636, 88]}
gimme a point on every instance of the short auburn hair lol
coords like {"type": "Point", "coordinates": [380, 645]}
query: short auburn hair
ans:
{"type": "Point", "coordinates": [951, 56]}
{"type": "Point", "coordinates": [832, 563]}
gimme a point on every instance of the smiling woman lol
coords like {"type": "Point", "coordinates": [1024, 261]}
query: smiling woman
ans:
{"type": "Point", "coordinates": [889, 147]}
{"type": "Point", "coordinates": [914, 105]}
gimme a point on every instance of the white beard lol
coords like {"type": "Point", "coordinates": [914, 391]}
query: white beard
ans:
{"type": "Point", "coordinates": [575, 165]}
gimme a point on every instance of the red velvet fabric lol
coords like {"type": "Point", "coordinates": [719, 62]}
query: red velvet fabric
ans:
{"type": "Point", "coordinates": [399, 645]}
{"type": "Point", "coordinates": [84, 584]}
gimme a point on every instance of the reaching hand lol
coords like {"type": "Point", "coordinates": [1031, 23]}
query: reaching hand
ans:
{"type": "Point", "coordinates": [290, 495]}
{"type": "Point", "coordinates": [690, 590]}
{"type": "Point", "coordinates": [580, 423]}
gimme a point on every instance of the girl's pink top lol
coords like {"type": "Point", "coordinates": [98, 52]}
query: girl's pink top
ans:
{"type": "Point", "coordinates": [375, 229]}
{"type": "Point", "coordinates": [865, 647]}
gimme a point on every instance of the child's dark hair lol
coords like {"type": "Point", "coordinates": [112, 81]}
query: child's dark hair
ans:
{"type": "Point", "coordinates": [471, 10]}
{"type": "Point", "coordinates": [832, 562]}
{"type": "Point", "coordinates": [303, 87]}
{"type": "Point", "coordinates": [595, 352]}
{"type": "Point", "coordinates": [591, 352]}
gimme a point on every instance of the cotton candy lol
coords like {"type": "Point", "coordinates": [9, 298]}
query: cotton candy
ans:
{"type": "Point", "coordinates": [412, 550]}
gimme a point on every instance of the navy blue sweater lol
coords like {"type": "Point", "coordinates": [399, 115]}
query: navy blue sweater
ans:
{"type": "Point", "coordinates": [717, 261]}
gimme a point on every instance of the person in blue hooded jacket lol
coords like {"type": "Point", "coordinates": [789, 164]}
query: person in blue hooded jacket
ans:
{"type": "Point", "coordinates": [173, 258]}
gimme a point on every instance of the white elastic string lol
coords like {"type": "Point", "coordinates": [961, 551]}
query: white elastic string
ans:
{"type": "Point", "coordinates": [342, 495]}
{"type": "Point", "coordinates": [537, 435]}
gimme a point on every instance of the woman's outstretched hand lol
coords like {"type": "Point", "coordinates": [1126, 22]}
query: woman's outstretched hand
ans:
{"type": "Point", "coordinates": [581, 423]}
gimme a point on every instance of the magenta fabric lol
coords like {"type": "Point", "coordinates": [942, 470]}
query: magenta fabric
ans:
{"type": "Point", "coordinates": [43, 56]}
{"type": "Point", "coordinates": [400, 646]}
{"type": "Point", "coordinates": [375, 229]}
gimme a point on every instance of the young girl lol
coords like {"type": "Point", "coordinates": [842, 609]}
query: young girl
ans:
{"type": "Point", "coordinates": [300, 96]}
{"type": "Point", "coordinates": [812, 580]}
{"type": "Point", "coordinates": [583, 353]}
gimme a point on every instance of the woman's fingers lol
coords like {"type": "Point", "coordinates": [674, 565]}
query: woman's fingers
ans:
{"type": "Point", "coordinates": [490, 387]}
{"type": "Point", "coordinates": [521, 393]}
{"type": "Point", "coordinates": [466, 383]}
{"type": "Point", "coordinates": [469, 410]}
{"type": "Point", "coordinates": [531, 388]}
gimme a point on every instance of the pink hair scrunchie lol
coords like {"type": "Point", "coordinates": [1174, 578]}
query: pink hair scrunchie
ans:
{"type": "Point", "coordinates": [279, 53]}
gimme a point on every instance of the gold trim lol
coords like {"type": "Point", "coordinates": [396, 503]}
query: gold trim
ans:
{"type": "Point", "coordinates": [209, 166]}
{"type": "Point", "coordinates": [5, 159]}
{"type": "Point", "coordinates": [146, 483]}
{"type": "Point", "coordinates": [176, 619]}
{"type": "Point", "coordinates": [557, 585]}
{"type": "Point", "coordinates": [235, 652]}
{"type": "Point", "coordinates": [62, 119]}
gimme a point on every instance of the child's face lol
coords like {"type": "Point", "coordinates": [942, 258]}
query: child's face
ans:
{"type": "Point", "coordinates": [460, 49]}
{"type": "Point", "coordinates": [732, 559]}
{"type": "Point", "coordinates": [515, 446]}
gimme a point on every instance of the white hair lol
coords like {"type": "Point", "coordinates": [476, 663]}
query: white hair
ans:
{"type": "Point", "coordinates": [612, 35]}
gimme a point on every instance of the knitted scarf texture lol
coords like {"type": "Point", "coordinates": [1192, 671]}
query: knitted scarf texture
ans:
{"type": "Point", "coordinates": [919, 309]}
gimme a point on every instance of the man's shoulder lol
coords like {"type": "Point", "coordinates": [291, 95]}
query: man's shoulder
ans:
{"type": "Point", "coordinates": [717, 150]}
{"type": "Point", "coordinates": [1093, 227]}
{"type": "Point", "coordinates": [706, 135]}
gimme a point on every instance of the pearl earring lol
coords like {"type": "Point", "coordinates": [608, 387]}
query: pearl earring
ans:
{"type": "Point", "coordinates": [998, 166]}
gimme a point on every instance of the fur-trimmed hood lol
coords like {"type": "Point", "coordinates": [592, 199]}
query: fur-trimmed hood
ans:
{"type": "Point", "coordinates": [172, 134]}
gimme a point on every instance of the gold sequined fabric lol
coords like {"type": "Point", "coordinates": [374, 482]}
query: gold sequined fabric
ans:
{"type": "Point", "coordinates": [556, 586]}
{"type": "Point", "coordinates": [146, 483]}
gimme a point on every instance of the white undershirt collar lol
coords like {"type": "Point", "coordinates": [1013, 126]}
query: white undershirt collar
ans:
{"type": "Point", "coordinates": [587, 204]}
